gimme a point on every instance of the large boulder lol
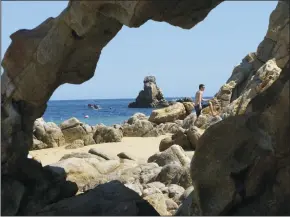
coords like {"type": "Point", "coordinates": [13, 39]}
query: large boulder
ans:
{"type": "Point", "coordinates": [37, 144]}
{"type": "Point", "coordinates": [175, 173]}
{"type": "Point", "coordinates": [151, 95]}
{"type": "Point", "coordinates": [104, 134]}
{"type": "Point", "coordinates": [73, 129]}
{"type": "Point", "coordinates": [179, 138]}
{"type": "Point", "coordinates": [110, 199]}
{"type": "Point", "coordinates": [86, 172]}
{"type": "Point", "coordinates": [138, 128]}
{"type": "Point", "coordinates": [48, 133]}
{"type": "Point", "coordinates": [136, 117]}
{"type": "Point", "coordinates": [170, 114]}
{"type": "Point", "coordinates": [174, 154]}
{"type": "Point", "coordinates": [143, 173]}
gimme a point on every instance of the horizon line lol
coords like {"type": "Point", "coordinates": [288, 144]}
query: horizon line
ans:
{"type": "Point", "coordinates": [177, 97]}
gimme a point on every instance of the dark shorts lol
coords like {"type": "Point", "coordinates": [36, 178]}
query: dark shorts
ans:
{"type": "Point", "coordinates": [203, 105]}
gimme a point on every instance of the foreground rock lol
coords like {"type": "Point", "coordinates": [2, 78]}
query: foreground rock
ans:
{"type": "Point", "coordinates": [169, 114]}
{"type": "Point", "coordinates": [251, 162]}
{"type": "Point", "coordinates": [110, 199]}
{"type": "Point", "coordinates": [151, 95]}
{"type": "Point", "coordinates": [32, 188]}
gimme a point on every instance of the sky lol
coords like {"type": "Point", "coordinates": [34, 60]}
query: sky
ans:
{"type": "Point", "coordinates": [180, 59]}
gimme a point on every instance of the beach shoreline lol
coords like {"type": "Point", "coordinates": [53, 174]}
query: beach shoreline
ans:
{"type": "Point", "coordinates": [140, 147]}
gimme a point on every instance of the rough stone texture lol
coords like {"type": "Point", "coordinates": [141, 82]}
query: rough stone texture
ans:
{"type": "Point", "coordinates": [150, 191]}
{"type": "Point", "coordinates": [262, 79]}
{"type": "Point", "coordinates": [136, 117]}
{"type": "Point", "coordinates": [179, 138]}
{"type": "Point", "coordinates": [157, 185]}
{"type": "Point", "coordinates": [37, 144]}
{"type": "Point", "coordinates": [248, 179]}
{"type": "Point", "coordinates": [139, 128]}
{"type": "Point", "coordinates": [12, 192]}
{"type": "Point", "coordinates": [86, 171]}
{"type": "Point", "coordinates": [169, 114]}
{"type": "Point", "coordinates": [66, 49]}
{"type": "Point", "coordinates": [175, 192]}
{"type": "Point", "coordinates": [110, 199]}
{"type": "Point", "coordinates": [165, 143]}
{"type": "Point", "coordinates": [165, 128]}
{"type": "Point", "coordinates": [150, 97]}
{"type": "Point", "coordinates": [189, 106]}
{"type": "Point", "coordinates": [190, 206]}
{"type": "Point", "coordinates": [31, 187]}
{"type": "Point", "coordinates": [174, 154]}
{"type": "Point", "coordinates": [204, 121]}
{"type": "Point", "coordinates": [171, 206]}
{"type": "Point", "coordinates": [157, 200]}
{"type": "Point", "coordinates": [48, 133]}
{"type": "Point", "coordinates": [258, 70]}
{"type": "Point", "coordinates": [105, 134]}
{"type": "Point", "coordinates": [102, 154]}
{"type": "Point", "coordinates": [73, 130]}
{"type": "Point", "coordinates": [81, 155]}
{"type": "Point", "coordinates": [175, 174]}
{"type": "Point", "coordinates": [76, 144]}
{"type": "Point", "coordinates": [189, 121]}
{"type": "Point", "coordinates": [193, 135]}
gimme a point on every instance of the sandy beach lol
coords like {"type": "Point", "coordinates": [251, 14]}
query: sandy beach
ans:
{"type": "Point", "coordinates": [141, 147]}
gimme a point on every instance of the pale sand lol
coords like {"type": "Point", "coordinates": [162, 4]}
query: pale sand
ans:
{"type": "Point", "coordinates": [141, 147]}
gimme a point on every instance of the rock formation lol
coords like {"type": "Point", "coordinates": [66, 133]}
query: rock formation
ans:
{"type": "Point", "coordinates": [252, 178]}
{"type": "Point", "coordinates": [151, 95]}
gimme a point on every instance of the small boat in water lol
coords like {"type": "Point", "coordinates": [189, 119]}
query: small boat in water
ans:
{"type": "Point", "coordinates": [86, 116]}
{"type": "Point", "coordinates": [94, 106]}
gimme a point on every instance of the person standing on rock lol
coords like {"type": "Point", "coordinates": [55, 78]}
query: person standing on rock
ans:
{"type": "Point", "coordinates": [201, 103]}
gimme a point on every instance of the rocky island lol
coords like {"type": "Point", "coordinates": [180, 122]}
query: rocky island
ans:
{"type": "Point", "coordinates": [151, 95]}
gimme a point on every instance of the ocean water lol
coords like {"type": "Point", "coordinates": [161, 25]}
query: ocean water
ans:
{"type": "Point", "coordinates": [113, 111]}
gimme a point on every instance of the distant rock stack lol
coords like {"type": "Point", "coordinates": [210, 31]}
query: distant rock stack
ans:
{"type": "Point", "coordinates": [151, 95]}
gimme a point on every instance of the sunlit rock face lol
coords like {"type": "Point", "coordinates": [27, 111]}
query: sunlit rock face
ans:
{"type": "Point", "coordinates": [247, 155]}
{"type": "Point", "coordinates": [151, 96]}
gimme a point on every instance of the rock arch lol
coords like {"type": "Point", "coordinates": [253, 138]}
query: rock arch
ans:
{"type": "Point", "coordinates": [66, 49]}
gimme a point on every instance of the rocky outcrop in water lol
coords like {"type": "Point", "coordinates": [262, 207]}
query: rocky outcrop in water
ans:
{"type": "Point", "coordinates": [151, 95]}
